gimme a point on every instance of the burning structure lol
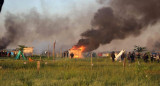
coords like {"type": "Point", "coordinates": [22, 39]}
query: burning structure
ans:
{"type": "Point", "coordinates": [77, 51]}
{"type": "Point", "coordinates": [119, 20]}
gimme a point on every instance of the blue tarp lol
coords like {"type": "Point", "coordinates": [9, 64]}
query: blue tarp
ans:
{"type": "Point", "coordinates": [12, 53]}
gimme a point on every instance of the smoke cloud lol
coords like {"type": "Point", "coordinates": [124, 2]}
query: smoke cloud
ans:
{"type": "Point", "coordinates": [123, 18]}
{"type": "Point", "coordinates": [31, 26]}
{"type": "Point", "coordinates": [153, 43]}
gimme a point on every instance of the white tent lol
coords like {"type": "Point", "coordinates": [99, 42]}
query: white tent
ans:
{"type": "Point", "coordinates": [118, 57]}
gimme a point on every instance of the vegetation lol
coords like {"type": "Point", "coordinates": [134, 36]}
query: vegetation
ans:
{"type": "Point", "coordinates": [139, 49]}
{"type": "Point", "coordinates": [78, 72]}
{"type": "Point", "coordinates": [21, 47]}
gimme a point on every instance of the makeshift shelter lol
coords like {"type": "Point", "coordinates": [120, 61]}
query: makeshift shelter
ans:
{"type": "Point", "coordinates": [28, 51]}
{"type": "Point", "coordinates": [18, 55]}
{"type": "Point", "coordinates": [118, 57]}
{"type": "Point", "coordinates": [77, 51]}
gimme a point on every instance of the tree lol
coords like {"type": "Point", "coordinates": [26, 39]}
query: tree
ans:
{"type": "Point", "coordinates": [139, 49]}
{"type": "Point", "coordinates": [21, 47]}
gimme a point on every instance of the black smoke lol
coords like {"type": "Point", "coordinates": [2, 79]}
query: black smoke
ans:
{"type": "Point", "coordinates": [1, 4]}
{"type": "Point", "coordinates": [121, 19]}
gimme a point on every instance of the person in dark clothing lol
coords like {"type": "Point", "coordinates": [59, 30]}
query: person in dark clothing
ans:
{"type": "Point", "coordinates": [146, 58]}
{"type": "Point", "coordinates": [152, 58]}
{"type": "Point", "coordinates": [132, 57]}
{"type": "Point", "coordinates": [113, 56]}
{"type": "Point", "coordinates": [1, 4]}
{"type": "Point", "coordinates": [139, 56]}
{"type": "Point", "coordinates": [129, 56]}
{"type": "Point", "coordinates": [123, 56]}
{"type": "Point", "coordinates": [72, 55]}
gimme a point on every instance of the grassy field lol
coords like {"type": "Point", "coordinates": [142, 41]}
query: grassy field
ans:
{"type": "Point", "coordinates": [78, 72]}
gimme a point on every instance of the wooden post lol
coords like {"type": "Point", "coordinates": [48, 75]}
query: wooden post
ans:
{"type": "Point", "coordinates": [54, 45]}
{"type": "Point", "coordinates": [91, 61]}
{"type": "Point", "coordinates": [61, 53]}
{"type": "Point", "coordinates": [40, 58]}
{"type": "Point", "coordinates": [48, 51]}
{"type": "Point", "coordinates": [38, 66]}
{"type": "Point", "coordinates": [0, 67]}
{"type": "Point", "coordinates": [25, 62]}
{"type": "Point", "coordinates": [91, 58]}
{"type": "Point", "coordinates": [124, 63]}
{"type": "Point", "coordinates": [32, 52]}
{"type": "Point", "coordinates": [66, 55]}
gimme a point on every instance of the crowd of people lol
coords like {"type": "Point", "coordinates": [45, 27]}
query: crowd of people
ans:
{"type": "Point", "coordinates": [132, 57]}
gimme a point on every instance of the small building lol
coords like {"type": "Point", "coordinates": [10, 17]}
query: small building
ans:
{"type": "Point", "coordinates": [28, 51]}
{"type": "Point", "coordinates": [77, 53]}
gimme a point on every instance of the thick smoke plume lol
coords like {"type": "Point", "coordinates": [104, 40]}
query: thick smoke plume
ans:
{"type": "Point", "coordinates": [40, 28]}
{"type": "Point", "coordinates": [153, 43]}
{"type": "Point", "coordinates": [121, 19]}
{"type": "Point", "coordinates": [157, 45]}
{"type": "Point", "coordinates": [31, 26]}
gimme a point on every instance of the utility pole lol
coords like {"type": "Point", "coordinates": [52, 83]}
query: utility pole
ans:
{"type": "Point", "coordinates": [54, 45]}
{"type": "Point", "coordinates": [61, 53]}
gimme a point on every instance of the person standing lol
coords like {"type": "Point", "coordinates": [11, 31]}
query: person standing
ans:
{"type": "Point", "coordinates": [113, 56]}
{"type": "Point", "coordinates": [152, 57]}
{"type": "Point", "coordinates": [132, 57]}
{"type": "Point", "coordinates": [139, 56]}
{"type": "Point", "coordinates": [129, 56]}
{"type": "Point", "coordinates": [123, 56]}
{"type": "Point", "coordinates": [158, 57]}
{"type": "Point", "coordinates": [72, 55]}
{"type": "Point", "coordinates": [146, 58]}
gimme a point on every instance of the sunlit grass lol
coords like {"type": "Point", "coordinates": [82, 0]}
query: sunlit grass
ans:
{"type": "Point", "coordinates": [78, 72]}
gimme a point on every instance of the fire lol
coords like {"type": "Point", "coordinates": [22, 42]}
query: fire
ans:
{"type": "Point", "coordinates": [77, 51]}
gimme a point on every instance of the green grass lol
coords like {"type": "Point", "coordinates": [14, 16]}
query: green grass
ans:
{"type": "Point", "coordinates": [78, 72]}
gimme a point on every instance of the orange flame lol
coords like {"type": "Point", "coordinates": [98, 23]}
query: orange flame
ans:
{"type": "Point", "coordinates": [77, 51]}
